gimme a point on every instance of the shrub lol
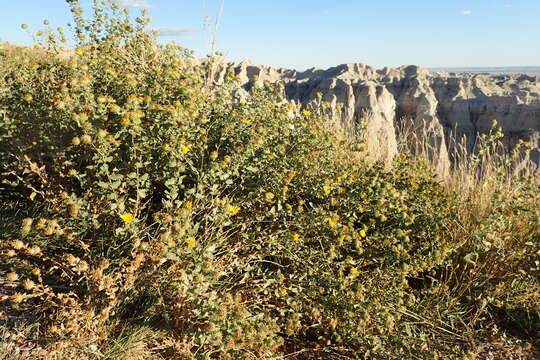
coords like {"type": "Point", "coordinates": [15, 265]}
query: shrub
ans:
{"type": "Point", "coordinates": [148, 203]}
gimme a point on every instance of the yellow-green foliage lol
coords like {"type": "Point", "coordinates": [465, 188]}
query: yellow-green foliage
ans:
{"type": "Point", "coordinates": [134, 198]}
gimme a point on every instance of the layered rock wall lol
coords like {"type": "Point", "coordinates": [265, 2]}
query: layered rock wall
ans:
{"type": "Point", "coordinates": [437, 110]}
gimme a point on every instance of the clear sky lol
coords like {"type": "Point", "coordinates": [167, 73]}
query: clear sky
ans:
{"type": "Point", "coordinates": [304, 33]}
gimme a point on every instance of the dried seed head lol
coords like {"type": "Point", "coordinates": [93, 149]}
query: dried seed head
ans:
{"type": "Point", "coordinates": [17, 297]}
{"type": "Point", "coordinates": [72, 260]}
{"type": "Point", "coordinates": [73, 210]}
{"type": "Point", "coordinates": [34, 250]}
{"type": "Point", "coordinates": [28, 284]}
{"type": "Point", "coordinates": [25, 230]}
{"type": "Point", "coordinates": [83, 266]}
{"type": "Point", "coordinates": [40, 224]}
{"type": "Point", "coordinates": [18, 244]}
{"type": "Point", "coordinates": [49, 230]}
{"type": "Point", "coordinates": [86, 139]}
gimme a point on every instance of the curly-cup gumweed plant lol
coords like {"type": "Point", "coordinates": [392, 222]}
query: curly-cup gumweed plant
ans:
{"type": "Point", "coordinates": [148, 215]}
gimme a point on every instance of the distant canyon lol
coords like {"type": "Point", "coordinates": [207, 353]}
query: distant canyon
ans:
{"type": "Point", "coordinates": [441, 109]}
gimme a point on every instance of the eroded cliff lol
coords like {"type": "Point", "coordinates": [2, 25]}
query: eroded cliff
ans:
{"type": "Point", "coordinates": [439, 109]}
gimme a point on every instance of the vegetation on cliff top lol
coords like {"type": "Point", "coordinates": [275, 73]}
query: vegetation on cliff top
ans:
{"type": "Point", "coordinates": [145, 216]}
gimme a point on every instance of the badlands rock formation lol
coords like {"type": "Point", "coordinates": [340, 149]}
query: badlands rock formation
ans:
{"type": "Point", "coordinates": [439, 109]}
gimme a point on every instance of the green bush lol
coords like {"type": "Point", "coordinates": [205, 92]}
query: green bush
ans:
{"type": "Point", "coordinates": [231, 229]}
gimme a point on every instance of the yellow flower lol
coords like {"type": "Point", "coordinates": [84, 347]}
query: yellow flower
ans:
{"type": "Point", "coordinates": [306, 112]}
{"type": "Point", "coordinates": [188, 205]}
{"type": "Point", "coordinates": [229, 78]}
{"type": "Point", "coordinates": [213, 155]}
{"type": "Point", "coordinates": [353, 271]}
{"type": "Point", "coordinates": [190, 242]}
{"type": "Point", "coordinates": [127, 218]}
{"type": "Point", "coordinates": [283, 292]}
{"type": "Point", "coordinates": [331, 222]}
{"type": "Point", "coordinates": [296, 237]}
{"type": "Point", "coordinates": [233, 210]}
{"type": "Point", "coordinates": [79, 52]}
{"type": "Point", "coordinates": [326, 190]}
{"type": "Point", "coordinates": [362, 233]}
{"type": "Point", "coordinates": [372, 221]}
{"type": "Point", "coordinates": [184, 148]}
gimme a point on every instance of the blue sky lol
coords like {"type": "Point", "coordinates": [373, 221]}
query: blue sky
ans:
{"type": "Point", "coordinates": [304, 33]}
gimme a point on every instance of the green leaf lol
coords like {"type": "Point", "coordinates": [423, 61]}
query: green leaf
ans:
{"type": "Point", "coordinates": [471, 258]}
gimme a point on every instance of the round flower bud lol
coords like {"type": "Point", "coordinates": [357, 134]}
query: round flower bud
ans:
{"type": "Point", "coordinates": [12, 276]}
{"type": "Point", "coordinates": [86, 139]}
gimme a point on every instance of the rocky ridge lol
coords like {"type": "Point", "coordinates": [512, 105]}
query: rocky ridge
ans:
{"type": "Point", "coordinates": [440, 109]}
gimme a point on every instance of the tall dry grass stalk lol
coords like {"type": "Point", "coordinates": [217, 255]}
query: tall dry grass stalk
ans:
{"type": "Point", "coordinates": [476, 171]}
